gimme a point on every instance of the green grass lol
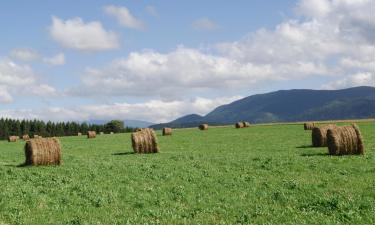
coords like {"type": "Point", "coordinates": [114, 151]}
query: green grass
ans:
{"type": "Point", "coordinates": [259, 175]}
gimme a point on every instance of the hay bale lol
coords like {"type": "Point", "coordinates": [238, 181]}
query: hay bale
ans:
{"type": "Point", "coordinates": [167, 131]}
{"type": "Point", "coordinates": [346, 140]}
{"type": "Point", "coordinates": [101, 133]}
{"type": "Point", "coordinates": [79, 134]}
{"type": "Point", "coordinates": [203, 127]}
{"type": "Point", "coordinates": [111, 132]}
{"type": "Point", "coordinates": [91, 134]}
{"type": "Point", "coordinates": [246, 124]}
{"type": "Point", "coordinates": [319, 135]}
{"type": "Point", "coordinates": [25, 137]}
{"type": "Point", "coordinates": [37, 136]}
{"type": "Point", "coordinates": [145, 141]}
{"type": "Point", "coordinates": [239, 125]}
{"type": "Point", "coordinates": [13, 138]}
{"type": "Point", "coordinates": [43, 151]}
{"type": "Point", "coordinates": [309, 126]}
{"type": "Point", "coordinates": [138, 129]}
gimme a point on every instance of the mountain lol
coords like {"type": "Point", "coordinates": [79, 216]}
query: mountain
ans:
{"type": "Point", "coordinates": [288, 106]}
{"type": "Point", "coordinates": [128, 123]}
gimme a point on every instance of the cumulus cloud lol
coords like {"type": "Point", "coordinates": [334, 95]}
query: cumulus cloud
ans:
{"type": "Point", "coordinates": [76, 34]}
{"type": "Point", "coordinates": [124, 17]}
{"type": "Point", "coordinates": [24, 54]}
{"type": "Point", "coordinates": [56, 60]}
{"type": "Point", "coordinates": [204, 24]}
{"type": "Point", "coordinates": [20, 80]}
{"type": "Point", "coordinates": [153, 110]}
{"type": "Point", "coordinates": [358, 79]}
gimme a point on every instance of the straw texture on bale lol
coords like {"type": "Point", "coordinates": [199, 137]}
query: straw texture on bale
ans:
{"type": "Point", "coordinates": [246, 124]}
{"type": "Point", "coordinates": [91, 134]}
{"type": "Point", "coordinates": [319, 135]}
{"type": "Point", "coordinates": [43, 151]}
{"type": "Point", "coordinates": [240, 125]}
{"type": "Point", "coordinates": [167, 131]}
{"type": "Point", "coordinates": [145, 141]}
{"type": "Point", "coordinates": [346, 140]}
{"type": "Point", "coordinates": [309, 126]}
{"type": "Point", "coordinates": [203, 127]}
{"type": "Point", "coordinates": [25, 137]}
{"type": "Point", "coordinates": [13, 138]}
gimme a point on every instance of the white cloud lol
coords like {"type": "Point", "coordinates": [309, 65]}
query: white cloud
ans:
{"type": "Point", "coordinates": [124, 17]}
{"type": "Point", "coordinates": [358, 79]}
{"type": "Point", "coordinates": [20, 80]}
{"type": "Point", "coordinates": [56, 60]}
{"type": "Point", "coordinates": [76, 34]}
{"type": "Point", "coordinates": [204, 24]}
{"type": "Point", "coordinates": [153, 110]}
{"type": "Point", "coordinates": [152, 11]}
{"type": "Point", "coordinates": [24, 54]}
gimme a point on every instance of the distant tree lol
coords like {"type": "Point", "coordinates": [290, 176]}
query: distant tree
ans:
{"type": "Point", "coordinates": [115, 126]}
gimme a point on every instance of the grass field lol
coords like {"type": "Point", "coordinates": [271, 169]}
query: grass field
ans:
{"type": "Point", "coordinates": [259, 175]}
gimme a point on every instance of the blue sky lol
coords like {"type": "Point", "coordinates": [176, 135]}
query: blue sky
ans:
{"type": "Point", "coordinates": [158, 60]}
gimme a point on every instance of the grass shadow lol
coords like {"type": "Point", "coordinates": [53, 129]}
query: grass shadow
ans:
{"type": "Point", "coordinates": [305, 146]}
{"type": "Point", "coordinates": [315, 154]}
{"type": "Point", "coordinates": [16, 166]}
{"type": "Point", "coordinates": [123, 153]}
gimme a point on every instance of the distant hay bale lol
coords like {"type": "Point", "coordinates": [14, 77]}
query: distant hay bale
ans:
{"type": "Point", "coordinates": [167, 131]}
{"type": "Point", "coordinates": [91, 134]}
{"type": "Point", "coordinates": [203, 127]}
{"type": "Point", "coordinates": [101, 133]}
{"type": "Point", "coordinates": [37, 136]}
{"type": "Point", "coordinates": [138, 129]}
{"type": "Point", "coordinates": [246, 124]}
{"type": "Point", "coordinates": [346, 140]}
{"type": "Point", "coordinates": [319, 135]}
{"type": "Point", "coordinates": [145, 141]}
{"type": "Point", "coordinates": [79, 134]}
{"type": "Point", "coordinates": [43, 151]}
{"type": "Point", "coordinates": [25, 137]}
{"type": "Point", "coordinates": [309, 126]}
{"type": "Point", "coordinates": [111, 133]}
{"type": "Point", "coordinates": [13, 138]}
{"type": "Point", "coordinates": [240, 125]}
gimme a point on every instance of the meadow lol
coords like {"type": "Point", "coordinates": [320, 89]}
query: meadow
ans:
{"type": "Point", "coordinates": [266, 174]}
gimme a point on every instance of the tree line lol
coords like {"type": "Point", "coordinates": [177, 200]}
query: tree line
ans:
{"type": "Point", "coordinates": [15, 127]}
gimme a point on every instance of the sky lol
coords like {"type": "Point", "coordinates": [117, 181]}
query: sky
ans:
{"type": "Point", "coordinates": [158, 60]}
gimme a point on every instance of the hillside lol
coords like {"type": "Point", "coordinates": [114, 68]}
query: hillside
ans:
{"type": "Point", "coordinates": [290, 105]}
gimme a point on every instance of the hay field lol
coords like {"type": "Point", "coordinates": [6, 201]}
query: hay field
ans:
{"type": "Point", "coordinates": [259, 175]}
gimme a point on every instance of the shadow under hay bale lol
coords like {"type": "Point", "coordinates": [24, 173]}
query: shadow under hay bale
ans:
{"type": "Point", "coordinates": [309, 126]}
{"type": "Point", "coordinates": [25, 137]}
{"type": "Point", "coordinates": [145, 141]}
{"type": "Point", "coordinates": [239, 125]}
{"type": "Point", "coordinates": [13, 138]}
{"type": "Point", "coordinates": [167, 131]}
{"type": "Point", "coordinates": [203, 127]}
{"type": "Point", "coordinates": [43, 151]}
{"type": "Point", "coordinates": [346, 140]}
{"type": "Point", "coordinates": [91, 134]}
{"type": "Point", "coordinates": [319, 135]}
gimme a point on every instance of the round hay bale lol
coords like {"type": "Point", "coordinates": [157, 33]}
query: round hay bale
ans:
{"type": "Point", "coordinates": [203, 127]}
{"type": "Point", "coordinates": [240, 125]}
{"type": "Point", "coordinates": [111, 132]}
{"type": "Point", "coordinates": [91, 134]}
{"type": "Point", "coordinates": [79, 134]}
{"type": "Point", "coordinates": [167, 131]}
{"type": "Point", "coordinates": [309, 126]}
{"type": "Point", "coordinates": [145, 141]}
{"type": "Point", "coordinates": [43, 151]}
{"type": "Point", "coordinates": [246, 124]}
{"type": "Point", "coordinates": [13, 138]}
{"type": "Point", "coordinates": [25, 137]}
{"type": "Point", "coordinates": [138, 129]}
{"type": "Point", "coordinates": [346, 140]}
{"type": "Point", "coordinates": [319, 135]}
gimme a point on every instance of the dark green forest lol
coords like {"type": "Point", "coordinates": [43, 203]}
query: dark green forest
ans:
{"type": "Point", "coordinates": [15, 127]}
